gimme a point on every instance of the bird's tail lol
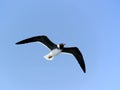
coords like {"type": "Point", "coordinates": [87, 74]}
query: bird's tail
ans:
{"type": "Point", "coordinates": [48, 57]}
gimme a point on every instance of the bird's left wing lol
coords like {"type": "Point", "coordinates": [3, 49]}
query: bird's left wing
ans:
{"type": "Point", "coordinates": [43, 39]}
{"type": "Point", "coordinates": [76, 52]}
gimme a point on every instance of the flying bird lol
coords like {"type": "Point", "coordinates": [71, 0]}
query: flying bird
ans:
{"type": "Point", "coordinates": [56, 49]}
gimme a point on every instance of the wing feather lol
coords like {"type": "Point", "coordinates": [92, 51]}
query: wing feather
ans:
{"type": "Point", "coordinates": [77, 54]}
{"type": "Point", "coordinates": [43, 39]}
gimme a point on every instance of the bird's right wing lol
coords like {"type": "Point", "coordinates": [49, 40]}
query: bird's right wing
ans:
{"type": "Point", "coordinates": [77, 54]}
{"type": "Point", "coordinates": [43, 39]}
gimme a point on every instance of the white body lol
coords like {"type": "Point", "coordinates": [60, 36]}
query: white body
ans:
{"type": "Point", "coordinates": [53, 53]}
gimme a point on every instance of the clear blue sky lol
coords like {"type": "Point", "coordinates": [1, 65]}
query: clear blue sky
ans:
{"type": "Point", "coordinates": [91, 25]}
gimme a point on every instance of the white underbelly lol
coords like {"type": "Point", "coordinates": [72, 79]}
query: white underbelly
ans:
{"type": "Point", "coordinates": [55, 52]}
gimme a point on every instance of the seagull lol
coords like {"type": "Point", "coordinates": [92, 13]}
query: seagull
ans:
{"type": "Point", "coordinates": [56, 49]}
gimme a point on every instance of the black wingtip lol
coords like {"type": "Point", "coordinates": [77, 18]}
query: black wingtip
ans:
{"type": "Point", "coordinates": [21, 42]}
{"type": "Point", "coordinates": [84, 70]}
{"type": "Point", "coordinates": [83, 67]}
{"type": "Point", "coordinates": [17, 43]}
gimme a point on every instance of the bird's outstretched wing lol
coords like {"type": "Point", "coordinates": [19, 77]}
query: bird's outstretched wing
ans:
{"type": "Point", "coordinates": [76, 52]}
{"type": "Point", "coordinates": [43, 39]}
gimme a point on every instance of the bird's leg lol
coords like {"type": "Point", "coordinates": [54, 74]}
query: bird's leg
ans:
{"type": "Point", "coordinates": [50, 56]}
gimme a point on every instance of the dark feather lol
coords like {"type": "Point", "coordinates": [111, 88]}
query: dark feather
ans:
{"type": "Point", "coordinates": [76, 52]}
{"type": "Point", "coordinates": [43, 39]}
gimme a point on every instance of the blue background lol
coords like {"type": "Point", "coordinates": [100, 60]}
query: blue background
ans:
{"type": "Point", "coordinates": [91, 25]}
